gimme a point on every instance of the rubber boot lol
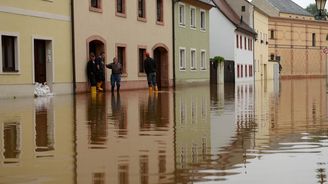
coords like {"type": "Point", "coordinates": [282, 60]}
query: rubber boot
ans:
{"type": "Point", "coordinates": [150, 89]}
{"type": "Point", "coordinates": [93, 90]}
{"type": "Point", "coordinates": [156, 88]}
{"type": "Point", "coordinates": [113, 89]}
{"type": "Point", "coordinates": [118, 89]}
{"type": "Point", "coordinates": [99, 86]}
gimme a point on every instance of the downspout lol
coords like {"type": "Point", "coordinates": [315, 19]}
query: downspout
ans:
{"type": "Point", "coordinates": [173, 39]}
{"type": "Point", "coordinates": [73, 46]}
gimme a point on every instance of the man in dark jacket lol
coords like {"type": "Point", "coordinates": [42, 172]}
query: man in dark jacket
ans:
{"type": "Point", "coordinates": [92, 70]}
{"type": "Point", "coordinates": [150, 69]}
{"type": "Point", "coordinates": [116, 74]}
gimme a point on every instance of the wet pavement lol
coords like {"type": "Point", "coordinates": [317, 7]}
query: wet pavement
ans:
{"type": "Point", "coordinates": [270, 132]}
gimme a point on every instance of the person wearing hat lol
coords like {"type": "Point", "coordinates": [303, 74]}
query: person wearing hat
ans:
{"type": "Point", "coordinates": [150, 67]}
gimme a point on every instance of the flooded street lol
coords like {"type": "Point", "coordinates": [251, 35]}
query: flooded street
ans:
{"type": "Point", "coordinates": [264, 133]}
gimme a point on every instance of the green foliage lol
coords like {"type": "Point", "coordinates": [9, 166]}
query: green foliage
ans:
{"type": "Point", "coordinates": [312, 8]}
{"type": "Point", "coordinates": [218, 59]}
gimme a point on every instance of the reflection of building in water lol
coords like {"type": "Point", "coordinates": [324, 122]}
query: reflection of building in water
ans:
{"type": "Point", "coordinates": [192, 125]}
{"type": "Point", "coordinates": [118, 115]}
{"type": "Point", "coordinates": [142, 155]}
{"type": "Point", "coordinates": [97, 120]}
{"type": "Point", "coordinates": [30, 144]}
{"type": "Point", "coordinates": [300, 106]}
{"type": "Point", "coordinates": [153, 111]}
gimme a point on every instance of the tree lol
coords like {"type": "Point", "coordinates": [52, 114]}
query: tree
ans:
{"type": "Point", "coordinates": [312, 8]}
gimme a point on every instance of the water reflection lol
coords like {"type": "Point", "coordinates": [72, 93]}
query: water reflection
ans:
{"type": "Point", "coordinates": [267, 132]}
{"type": "Point", "coordinates": [32, 151]}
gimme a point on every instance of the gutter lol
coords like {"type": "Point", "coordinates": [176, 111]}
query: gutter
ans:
{"type": "Point", "coordinates": [173, 40]}
{"type": "Point", "coordinates": [73, 46]}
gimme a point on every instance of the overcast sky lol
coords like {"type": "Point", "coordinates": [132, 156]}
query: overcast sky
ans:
{"type": "Point", "coordinates": [304, 3]}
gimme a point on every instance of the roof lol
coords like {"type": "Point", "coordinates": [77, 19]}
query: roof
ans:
{"type": "Point", "coordinates": [233, 17]}
{"type": "Point", "coordinates": [288, 6]}
{"type": "Point", "coordinates": [209, 2]}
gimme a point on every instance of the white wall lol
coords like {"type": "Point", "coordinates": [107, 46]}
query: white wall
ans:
{"type": "Point", "coordinates": [222, 35]}
{"type": "Point", "coordinates": [244, 57]}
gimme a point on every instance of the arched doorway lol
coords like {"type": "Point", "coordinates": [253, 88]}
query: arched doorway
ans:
{"type": "Point", "coordinates": [160, 54]}
{"type": "Point", "coordinates": [96, 46]}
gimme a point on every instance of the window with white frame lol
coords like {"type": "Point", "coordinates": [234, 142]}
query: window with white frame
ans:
{"type": "Point", "coordinates": [203, 60]}
{"type": "Point", "coordinates": [9, 52]}
{"type": "Point", "coordinates": [202, 20]}
{"type": "Point", "coordinates": [193, 59]}
{"type": "Point", "coordinates": [182, 58]}
{"type": "Point", "coordinates": [182, 15]}
{"type": "Point", "coordinates": [192, 17]}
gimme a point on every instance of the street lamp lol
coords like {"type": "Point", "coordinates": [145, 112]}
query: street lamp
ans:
{"type": "Point", "coordinates": [321, 9]}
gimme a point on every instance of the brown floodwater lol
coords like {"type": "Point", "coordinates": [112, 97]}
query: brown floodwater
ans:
{"type": "Point", "coordinates": [270, 132]}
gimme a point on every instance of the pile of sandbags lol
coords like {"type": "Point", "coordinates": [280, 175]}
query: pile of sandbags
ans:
{"type": "Point", "coordinates": [41, 90]}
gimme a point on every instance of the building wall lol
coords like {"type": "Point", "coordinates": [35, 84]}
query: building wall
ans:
{"type": "Point", "coordinates": [262, 68]}
{"type": "Point", "coordinates": [126, 30]}
{"type": "Point", "coordinates": [189, 38]}
{"type": "Point", "coordinates": [37, 20]}
{"type": "Point", "coordinates": [244, 58]}
{"type": "Point", "coordinates": [293, 42]}
{"type": "Point", "coordinates": [222, 35]}
{"type": "Point", "coordinates": [247, 14]}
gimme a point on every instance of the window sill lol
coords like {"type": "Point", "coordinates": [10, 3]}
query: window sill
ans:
{"type": "Point", "coordinates": [142, 19]}
{"type": "Point", "coordinates": [193, 69]}
{"type": "Point", "coordinates": [182, 69]}
{"type": "Point", "coordinates": [97, 10]}
{"type": "Point", "coordinates": [123, 15]}
{"type": "Point", "coordinates": [202, 30]}
{"type": "Point", "coordinates": [142, 75]}
{"type": "Point", "coordinates": [161, 23]}
{"type": "Point", "coordinates": [10, 73]}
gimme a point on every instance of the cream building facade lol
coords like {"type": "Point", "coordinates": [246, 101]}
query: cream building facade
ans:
{"type": "Point", "coordinates": [262, 67]}
{"type": "Point", "coordinates": [33, 50]}
{"type": "Point", "coordinates": [124, 29]}
{"type": "Point", "coordinates": [297, 38]}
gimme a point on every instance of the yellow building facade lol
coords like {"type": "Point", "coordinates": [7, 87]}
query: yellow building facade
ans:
{"type": "Point", "coordinates": [300, 44]}
{"type": "Point", "coordinates": [263, 68]}
{"type": "Point", "coordinates": [124, 30]}
{"type": "Point", "coordinates": [295, 39]}
{"type": "Point", "coordinates": [36, 46]}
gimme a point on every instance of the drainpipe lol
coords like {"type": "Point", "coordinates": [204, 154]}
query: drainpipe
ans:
{"type": "Point", "coordinates": [173, 39]}
{"type": "Point", "coordinates": [73, 46]}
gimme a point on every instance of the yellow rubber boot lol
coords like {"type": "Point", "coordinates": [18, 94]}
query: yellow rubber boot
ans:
{"type": "Point", "coordinates": [99, 86]}
{"type": "Point", "coordinates": [150, 89]}
{"type": "Point", "coordinates": [156, 88]}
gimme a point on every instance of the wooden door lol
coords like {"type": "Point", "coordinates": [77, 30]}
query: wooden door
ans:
{"type": "Point", "coordinates": [40, 61]}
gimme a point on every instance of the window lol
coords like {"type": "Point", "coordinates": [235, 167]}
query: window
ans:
{"type": "Point", "coordinates": [202, 20]}
{"type": "Point", "coordinates": [237, 41]}
{"type": "Point", "coordinates": [141, 9]}
{"type": "Point", "coordinates": [238, 71]}
{"type": "Point", "coordinates": [141, 59]}
{"type": "Point", "coordinates": [159, 11]}
{"type": "Point", "coordinates": [241, 42]}
{"type": "Point", "coordinates": [182, 59]}
{"type": "Point", "coordinates": [272, 34]}
{"type": "Point", "coordinates": [313, 40]}
{"type": "Point", "coordinates": [241, 71]}
{"type": "Point", "coordinates": [9, 53]}
{"type": "Point", "coordinates": [245, 42]}
{"type": "Point", "coordinates": [182, 14]}
{"type": "Point", "coordinates": [95, 4]}
{"type": "Point", "coordinates": [250, 68]}
{"type": "Point", "coordinates": [121, 57]}
{"type": "Point", "coordinates": [120, 6]}
{"type": "Point", "coordinates": [251, 44]}
{"type": "Point", "coordinates": [193, 59]}
{"type": "Point", "coordinates": [246, 74]}
{"type": "Point", "coordinates": [203, 60]}
{"type": "Point", "coordinates": [243, 8]}
{"type": "Point", "coordinates": [192, 17]}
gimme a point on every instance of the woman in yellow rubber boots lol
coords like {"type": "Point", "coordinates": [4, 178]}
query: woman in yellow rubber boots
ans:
{"type": "Point", "coordinates": [100, 77]}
